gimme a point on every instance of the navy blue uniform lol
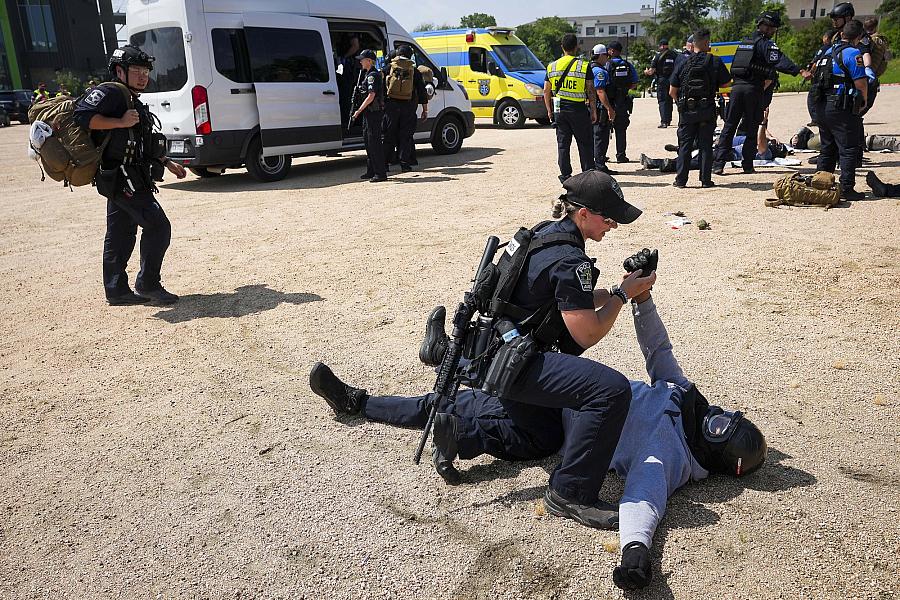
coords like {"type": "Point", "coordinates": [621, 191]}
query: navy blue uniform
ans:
{"type": "Point", "coordinates": [124, 179]}
{"type": "Point", "coordinates": [810, 97]}
{"type": "Point", "coordinates": [839, 128]}
{"type": "Point", "coordinates": [664, 63]}
{"type": "Point", "coordinates": [623, 76]}
{"type": "Point", "coordinates": [373, 81]}
{"type": "Point", "coordinates": [747, 100]}
{"type": "Point", "coordinates": [603, 126]}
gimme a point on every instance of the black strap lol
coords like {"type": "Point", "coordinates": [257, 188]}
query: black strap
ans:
{"type": "Point", "coordinates": [562, 77]}
{"type": "Point", "coordinates": [839, 57]}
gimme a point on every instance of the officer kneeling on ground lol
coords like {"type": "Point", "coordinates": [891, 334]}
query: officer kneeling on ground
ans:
{"type": "Point", "coordinates": [371, 89]}
{"type": "Point", "coordinates": [133, 158]}
{"type": "Point", "coordinates": [560, 315]}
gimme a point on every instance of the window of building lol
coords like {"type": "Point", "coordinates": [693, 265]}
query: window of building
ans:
{"type": "Point", "coordinates": [286, 55]}
{"type": "Point", "coordinates": [802, 12]}
{"type": "Point", "coordinates": [170, 67]}
{"type": "Point", "coordinates": [37, 25]}
{"type": "Point", "coordinates": [589, 30]}
{"type": "Point", "coordinates": [601, 30]}
{"type": "Point", "coordinates": [822, 13]}
{"type": "Point", "coordinates": [613, 29]}
{"type": "Point", "coordinates": [632, 29]}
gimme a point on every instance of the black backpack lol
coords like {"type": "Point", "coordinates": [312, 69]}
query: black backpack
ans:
{"type": "Point", "coordinates": [696, 78]}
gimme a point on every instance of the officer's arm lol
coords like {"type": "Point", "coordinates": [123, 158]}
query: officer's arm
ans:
{"type": "Point", "coordinates": [786, 65]}
{"type": "Point", "coordinates": [548, 99]}
{"type": "Point", "coordinates": [101, 122]}
{"type": "Point", "coordinates": [369, 99]}
{"type": "Point", "coordinates": [863, 86]}
{"type": "Point", "coordinates": [673, 92]}
{"type": "Point", "coordinates": [591, 92]}
{"type": "Point", "coordinates": [604, 100]}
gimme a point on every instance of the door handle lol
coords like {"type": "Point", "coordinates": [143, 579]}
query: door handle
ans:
{"type": "Point", "coordinates": [328, 92]}
{"type": "Point", "coordinates": [165, 103]}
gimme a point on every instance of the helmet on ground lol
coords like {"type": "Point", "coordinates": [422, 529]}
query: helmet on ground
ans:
{"type": "Point", "coordinates": [129, 56]}
{"type": "Point", "coordinates": [842, 10]}
{"type": "Point", "coordinates": [738, 444]}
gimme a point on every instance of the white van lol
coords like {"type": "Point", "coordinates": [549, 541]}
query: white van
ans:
{"type": "Point", "coordinates": [255, 83]}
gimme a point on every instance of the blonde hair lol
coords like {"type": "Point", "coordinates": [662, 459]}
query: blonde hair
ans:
{"type": "Point", "coordinates": [560, 207]}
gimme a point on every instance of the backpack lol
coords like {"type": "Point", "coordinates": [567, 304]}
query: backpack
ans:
{"type": "Point", "coordinates": [798, 190]}
{"type": "Point", "coordinates": [69, 155]}
{"type": "Point", "coordinates": [878, 53]}
{"type": "Point", "coordinates": [696, 79]}
{"type": "Point", "coordinates": [399, 82]}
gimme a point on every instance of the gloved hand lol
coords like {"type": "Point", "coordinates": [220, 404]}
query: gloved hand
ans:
{"type": "Point", "coordinates": [644, 261]}
{"type": "Point", "coordinates": [871, 75]}
{"type": "Point", "coordinates": [635, 572]}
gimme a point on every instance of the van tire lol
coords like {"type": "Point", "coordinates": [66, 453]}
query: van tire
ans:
{"type": "Point", "coordinates": [204, 172]}
{"type": "Point", "coordinates": [272, 168]}
{"type": "Point", "coordinates": [447, 137]}
{"type": "Point", "coordinates": [510, 115]}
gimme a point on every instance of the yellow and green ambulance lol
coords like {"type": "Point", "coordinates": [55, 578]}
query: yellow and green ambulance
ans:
{"type": "Point", "coordinates": [501, 75]}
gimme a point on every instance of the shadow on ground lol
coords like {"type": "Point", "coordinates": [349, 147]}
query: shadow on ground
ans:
{"type": "Point", "coordinates": [245, 300]}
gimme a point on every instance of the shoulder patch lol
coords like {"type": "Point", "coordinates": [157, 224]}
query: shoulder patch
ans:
{"type": "Point", "coordinates": [583, 271]}
{"type": "Point", "coordinates": [94, 98]}
{"type": "Point", "coordinates": [859, 60]}
{"type": "Point", "coordinates": [774, 54]}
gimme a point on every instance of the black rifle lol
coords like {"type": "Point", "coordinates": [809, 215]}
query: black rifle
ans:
{"type": "Point", "coordinates": [355, 102]}
{"type": "Point", "coordinates": [448, 378]}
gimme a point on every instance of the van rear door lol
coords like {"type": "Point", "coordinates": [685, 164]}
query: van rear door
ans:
{"type": "Point", "coordinates": [292, 65]}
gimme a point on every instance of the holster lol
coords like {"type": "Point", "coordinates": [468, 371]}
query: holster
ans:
{"type": "Point", "coordinates": [510, 361]}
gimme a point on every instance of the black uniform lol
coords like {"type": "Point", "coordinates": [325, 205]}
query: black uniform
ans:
{"type": "Point", "coordinates": [373, 81]}
{"type": "Point", "coordinates": [622, 76]}
{"type": "Point", "coordinates": [865, 47]}
{"type": "Point", "coordinates": [400, 123]}
{"type": "Point", "coordinates": [811, 97]}
{"type": "Point", "coordinates": [664, 63]}
{"type": "Point", "coordinates": [761, 58]}
{"type": "Point", "coordinates": [125, 180]}
{"type": "Point", "coordinates": [698, 79]}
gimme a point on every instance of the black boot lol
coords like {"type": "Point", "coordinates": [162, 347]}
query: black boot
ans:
{"type": "Point", "coordinates": [443, 449]}
{"type": "Point", "coordinates": [600, 515]}
{"type": "Point", "coordinates": [433, 347]}
{"type": "Point", "coordinates": [879, 188]}
{"type": "Point", "coordinates": [342, 398]}
{"type": "Point", "coordinates": [668, 165]}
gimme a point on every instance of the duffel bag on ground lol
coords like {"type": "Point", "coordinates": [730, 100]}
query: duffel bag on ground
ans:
{"type": "Point", "coordinates": [799, 190]}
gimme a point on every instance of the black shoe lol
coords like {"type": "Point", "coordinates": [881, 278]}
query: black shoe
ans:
{"type": "Point", "coordinates": [812, 124]}
{"type": "Point", "coordinates": [644, 160]}
{"type": "Point", "coordinates": [623, 159]}
{"type": "Point", "coordinates": [378, 179]}
{"type": "Point", "coordinates": [707, 184]}
{"type": "Point", "coordinates": [433, 347]}
{"type": "Point", "coordinates": [878, 186]}
{"type": "Point", "coordinates": [126, 299]}
{"type": "Point", "coordinates": [563, 178]}
{"type": "Point", "coordinates": [718, 170]}
{"type": "Point", "coordinates": [851, 194]}
{"type": "Point", "coordinates": [661, 126]}
{"type": "Point", "coordinates": [671, 147]}
{"type": "Point", "coordinates": [749, 170]}
{"type": "Point", "coordinates": [443, 449]}
{"type": "Point", "coordinates": [158, 296]}
{"type": "Point", "coordinates": [405, 168]}
{"type": "Point", "coordinates": [678, 184]}
{"type": "Point", "coordinates": [813, 160]}
{"type": "Point", "coordinates": [600, 515]}
{"type": "Point", "coordinates": [414, 163]}
{"type": "Point", "coordinates": [367, 176]}
{"type": "Point", "coordinates": [342, 398]}
{"type": "Point", "coordinates": [668, 165]}
{"type": "Point", "coordinates": [605, 169]}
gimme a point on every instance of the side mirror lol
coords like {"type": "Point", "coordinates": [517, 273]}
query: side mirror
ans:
{"type": "Point", "coordinates": [493, 69]}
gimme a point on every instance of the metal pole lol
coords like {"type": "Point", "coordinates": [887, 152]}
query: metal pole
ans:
{"type": "Point", "coordinates": [815, 9]}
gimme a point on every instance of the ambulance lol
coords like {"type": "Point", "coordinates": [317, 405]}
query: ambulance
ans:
{"type": "Point", "coordinates": [501, 75]}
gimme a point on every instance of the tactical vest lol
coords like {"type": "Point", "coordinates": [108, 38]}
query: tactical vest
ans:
{"type": "Point", "coordinates": [742, 63]}
{"type": "Point", "coordinates": [620, 79]}
{"type": "Point", "coordinates": [824, 79]}
{"type": "Point", "coordinates": [573, 87]}
{"type": "Point", "coordinates": [134, 148]}
{"type": "Point", "coordinates": [665, 64]}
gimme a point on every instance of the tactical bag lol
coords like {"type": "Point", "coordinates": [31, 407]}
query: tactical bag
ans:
{"type": "Point", "coordinates": [798, 190]}
{"type": "Point", "coordinates": [743, 59]}
{"type": "Point", "coordinates": [427, 74]}
{"type": "Point", "coordinates": [878, 53]}
{"type": "Point", "coordinates": [69, 155]}
{"type": "Point", "coordinates": [399, 83]}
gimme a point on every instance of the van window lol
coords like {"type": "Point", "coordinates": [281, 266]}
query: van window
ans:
{"type": "Point", "coordinates": [478, 60]}
{"type": "Point", "coordinates": [231, 56]}
{"type": "Point", "coordinates": [286, 55]}
{"type": "Point", "coordinates": [419, 57]}
{"type": "Point", "coordinates": [518, 57]}
{"type": "Point", "coordinates": [170, 68]}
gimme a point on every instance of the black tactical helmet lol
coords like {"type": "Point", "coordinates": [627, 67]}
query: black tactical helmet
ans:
{"type": "Point", "coordinates": [128, 56]}
{"type": "Point", "coordinates": [405, 51]}
{"type": "Point", "coordinates": [842, 10]}
{"type": "Point", "coordinates": [737, 444]}
{"type": "Point", "coordinates": [771, 19]}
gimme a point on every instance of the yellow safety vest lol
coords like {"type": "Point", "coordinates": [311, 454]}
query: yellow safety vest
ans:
{"type": "Point", "coordinates": [573, 86]}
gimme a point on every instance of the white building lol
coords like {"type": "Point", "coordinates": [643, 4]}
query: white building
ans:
{"type": "Point", "coordinates": [625, 27]}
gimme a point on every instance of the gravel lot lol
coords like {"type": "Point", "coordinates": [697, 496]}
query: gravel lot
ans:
{"type": "Point", "coordinates": [178, 452]}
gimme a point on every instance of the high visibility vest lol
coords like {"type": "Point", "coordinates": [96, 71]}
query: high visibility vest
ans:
{"type": "Point", "coordinates": [41, 94]}
{"type": "Point", "coordinates": [573, 86]}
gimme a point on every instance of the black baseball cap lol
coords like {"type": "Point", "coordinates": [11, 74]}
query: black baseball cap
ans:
{"type": "Point", "coordinates": [615, 45]}
{"type": "Point", "coordinates": [367, 54]}
{"type": "Point", "coordinates": [599, 193]}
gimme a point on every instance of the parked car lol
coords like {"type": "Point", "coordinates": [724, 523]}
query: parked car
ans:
{"type": "Point", "coordinates": [16, 104]}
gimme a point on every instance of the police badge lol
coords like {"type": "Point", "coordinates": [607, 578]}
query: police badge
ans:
{"type": "Point", "coordinates": [484, 86]}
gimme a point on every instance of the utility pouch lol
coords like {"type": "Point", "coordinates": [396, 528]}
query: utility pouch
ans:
{"type": "Point", "coordinates": [108, 181]}
{"type": "Point", "coordinates": [157, 170]}
{"type": "Point", "coordinates": [479, 338]}
{"type": "Point", "coordinates": [511, 360]}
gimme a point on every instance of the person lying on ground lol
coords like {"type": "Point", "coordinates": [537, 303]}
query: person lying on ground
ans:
{"type": "Point", "coordinates": [881, 189]}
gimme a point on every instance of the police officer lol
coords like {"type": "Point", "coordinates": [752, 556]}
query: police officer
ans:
{"type": "Point", "coordinates": [839, 110]}
{"type": "Point", "coordinates": [568, 94]}
{"type": "Point", "coordinates": [371, 88]}
{"type": "Point", "coordinates": [662, 66]}
{"type": "Point", "coordinates": [40, 93]}
{"type": "Point", "coordinates": [400, 115]}
{"type": "Point", "coordinates": [133, 157]}
{"type": "Point", "coordinates": [624, 78]}
{"type": "Point", "coordinates": [558, 278]}
{"type": "Point", "coordinates": [605, 111]}
{"type": "Point", "coordinates": [695, 83]}
{"type": "Point", "coordinates": [824, 49]}
{"type": "Point", "coordinates": [753, 67]}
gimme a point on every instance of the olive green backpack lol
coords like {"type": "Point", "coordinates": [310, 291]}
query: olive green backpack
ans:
{"type": "Point", "coordinates": [69, 155]}
{"type": "Point", "coordinates": [798, 190]}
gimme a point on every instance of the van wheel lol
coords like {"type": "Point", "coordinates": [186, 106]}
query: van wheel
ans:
{"type": "Point", "coordinates": [510, 115]}
{"type": "Point", "coordinates": [448, 136]}
{"type": "Point", "coordinates": [543, 121]}
{"type": "Point", "coordinates": [266, 168]}
{"type": "Point", "coordinates": [203, 172]}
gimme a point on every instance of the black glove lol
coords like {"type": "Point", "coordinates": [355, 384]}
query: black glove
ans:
{"type": "Point", "coordinates": [644, 261]}
{"type": "Point", "coordinates": [635, 572]}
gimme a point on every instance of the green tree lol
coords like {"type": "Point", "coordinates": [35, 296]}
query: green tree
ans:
{"type": "Point", "coordinates": [889, 11]}
{"type": "Point", "coordinates": [737, 19]}
{"type": "Point", "coordinates": [428, 26]}
{"type": "Point", "coordinates": [640, 53]}
{"type": "Point", "coordinates": [801, 44]}
{"type": "Point", "coordinates": [677, 19]}
{"type": "Point", "coordinates": [477, 20]}
{"type": "Point", "coordinates": [69, 79]}
{"type": "Point", "coordinates": [544, 37]}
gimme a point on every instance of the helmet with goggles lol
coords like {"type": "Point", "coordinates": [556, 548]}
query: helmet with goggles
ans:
{"type": "Point", "coordinates": [738, 444]}
{"type": "Point", "coordinates": [129, 56]}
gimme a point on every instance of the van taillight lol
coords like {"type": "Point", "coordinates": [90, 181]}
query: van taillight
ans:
{"type": "Point", "coordinates": [201, 110]}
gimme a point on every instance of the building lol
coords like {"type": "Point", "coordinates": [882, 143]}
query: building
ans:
{"type": "Point", "coordinates": [40, 38]}
{"type": "Point", "coordinates": [602, 29]}
{"type": "Point", "coordinates": [799, 10]}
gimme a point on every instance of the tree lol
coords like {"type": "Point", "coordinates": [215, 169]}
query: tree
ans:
{"type": "Point", "coordinates": [427, 26]}
{"type": "Point", "coordinates": [801, 44]}
{"type": "Point", "coordinates": [737, 19]}
{"type": "Point", "coordinates": [477, 20]}
{"type": "Point", "coordinates": [641, 53]}
{"type": "Point", "coordinates": [677, 19]}
{"type": "Point", "coordinates": [889, 11]}
{"type": "Point", "coordinates": [544, 37]}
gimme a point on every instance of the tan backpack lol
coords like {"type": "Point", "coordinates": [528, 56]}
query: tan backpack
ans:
{"type": "Point", "coordinates": [878, 52]}
{"type": "Point", "coordinates": [69, 155]}
{"type": "Point", "coordinates": [399, 82]}
{"type": "Point", "coordinates": [797, 190]}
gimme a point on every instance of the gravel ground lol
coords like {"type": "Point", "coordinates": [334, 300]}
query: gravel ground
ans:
{"type": "Point", "coordinates": [178, 452]}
